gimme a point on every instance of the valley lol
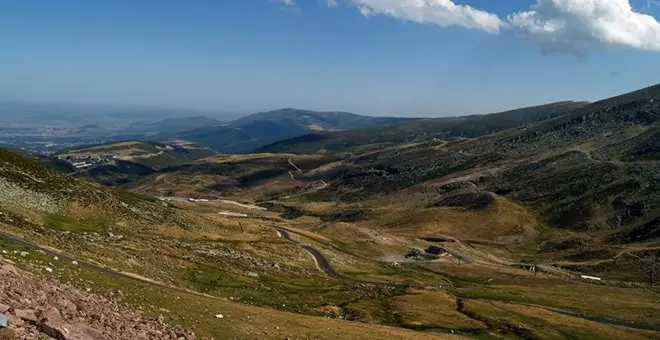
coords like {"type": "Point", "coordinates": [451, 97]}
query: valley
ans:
{"type": "Point", "coordinates": [545, 227]}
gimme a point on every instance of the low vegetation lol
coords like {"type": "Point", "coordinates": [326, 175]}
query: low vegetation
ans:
{"type": "Point", "coordinates": [482, 236]}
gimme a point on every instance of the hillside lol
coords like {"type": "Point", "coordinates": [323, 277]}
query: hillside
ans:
{"type": "Point", "coordinates": [591, 177]}
{"type": "Point", "coordinates": [579, 187]}
{"type": "Point", "coordinates": [172, 264]}
{"type": "Point", "coordinates": [233, 270]}
{"type": "Point", "coordinates": [253, 176]}
{"type": "Point", "coordinates": [439, 128]}
{"type": "Point", "coordinates": [170, 125]}
{"type": "Point", "coordinates": [123, 162]}
{"type": "Point", "coordinates": [259, 129]}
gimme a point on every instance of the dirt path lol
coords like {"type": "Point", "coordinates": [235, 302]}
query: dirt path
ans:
{"type": "Point", "coordinates": [321, 260]}
{"type": "Point", "coordinates": [325, 265]}
{"type": "Point", "coordinates": [295, 166]}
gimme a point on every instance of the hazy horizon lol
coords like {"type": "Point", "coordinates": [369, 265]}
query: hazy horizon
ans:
{"type": "Point", "coordinates": [163, 112]}
{"type": "Point", "coordinates": [371, 57]}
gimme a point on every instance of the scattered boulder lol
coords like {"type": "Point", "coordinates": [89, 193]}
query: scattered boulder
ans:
{"type": "Point", "coordinates": [14, 320]}
{"type": "Point", "coordinates": [7, 269]}
{"type": "Point", "coordinates": [40, 307]}
{"type": "Point", "coordinates": [26, 315]}
{"type": "Point", "coordinates": [7, 333]}
{"type": "Point", "coordinates": [81, 331]}
{"type": "Point", "coordinates": [67, 306]}
{"type": "Point", "coordinates": [51, 323]}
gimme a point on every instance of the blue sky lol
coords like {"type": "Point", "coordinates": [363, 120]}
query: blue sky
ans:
{"type": "Point", "coordinates": [359, 55]}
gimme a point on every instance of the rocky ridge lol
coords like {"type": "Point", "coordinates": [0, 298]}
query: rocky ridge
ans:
{"type": "Point", "coordinates": [36, 307]}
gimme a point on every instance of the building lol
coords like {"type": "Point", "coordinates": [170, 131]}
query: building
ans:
{"type": "Point", "coordinates": [435, 250]}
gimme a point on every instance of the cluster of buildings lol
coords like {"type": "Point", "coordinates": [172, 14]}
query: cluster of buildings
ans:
{"type": "Point", "coordinates": [87, 161]}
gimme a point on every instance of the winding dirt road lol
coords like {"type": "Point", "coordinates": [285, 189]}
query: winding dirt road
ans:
{"type": "Point", "coordinates": [326, 267]}
{"type": "Point", "coordinates": [321, 260]}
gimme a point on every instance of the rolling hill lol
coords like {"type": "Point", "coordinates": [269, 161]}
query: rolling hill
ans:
{"type": "Point", "coordinates": [577, 182]}
{"type": "Point", "coordinates": [170, 125]}
{"type": "Point", "coordinates": [151, 154]}
{"type": "Point", "coordinates": [259, 129]}
{"type": "Point", "coordinates": [439, 128]}
{"type": "Point", "coordinates": [123, 162]}
{"type": "Point", "coordinates": [591, 177]}
{"type": "Point", "coordinates": [517, 217]}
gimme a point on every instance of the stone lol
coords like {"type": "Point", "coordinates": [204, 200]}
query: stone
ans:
{"type": "Point", "coordinates": [67, 306]}
{"type": "Point", "coordinates": [7, 333]}
{"type": "Point", "coordinates": [3, 308]}
{"type": "Point", "coordinates": [50, 323]}
{"type": "Point", "coordinates": [15, 320]}
{"type": "Point", "coordinates": [8, 269]}
{"type": "Point", "coordinates": [81, 331]}
{"type": "Point", "coordinates": [26, 315]}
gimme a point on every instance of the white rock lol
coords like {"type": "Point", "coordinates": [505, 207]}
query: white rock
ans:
{"type": "Point", "coordinates": [74, 262]}
{"type": "Point", "coordinates": [48, 269]}
{"type": "Point", "coordinates": [56, 258]}
{"type": "Point", "coordinates": [219, 316]}
{"type": "Point", "coordinates": [24, 253]}
{"type": "Point", "coordinates": [4, 252]}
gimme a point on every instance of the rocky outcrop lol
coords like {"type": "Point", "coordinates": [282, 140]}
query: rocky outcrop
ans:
{"type": "Point", "coordinates": [42, 308]}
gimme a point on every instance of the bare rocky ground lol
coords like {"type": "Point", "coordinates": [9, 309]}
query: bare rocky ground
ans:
{"type": "Point", "coordinates": [43, 308]}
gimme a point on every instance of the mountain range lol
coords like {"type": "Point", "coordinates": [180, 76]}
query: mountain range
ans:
{"type": "Point", "coordinates": [588, 175]}
{"type": "Point", "coordinates": [251, 132]}
{"type": "Point", "coordinates": [542, 222]}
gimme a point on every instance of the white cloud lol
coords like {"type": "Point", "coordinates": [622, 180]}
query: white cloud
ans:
{"type": "Point", "coordinates": [331, 3]}
{"type": "Point", "coordinates": [365, 11]}
{"type": "Point", "coordinates": [286, 2]}
{"type": "Point", "coordinates": [439, 12]}
{"type": "Point", "coordinates": [575, 25]}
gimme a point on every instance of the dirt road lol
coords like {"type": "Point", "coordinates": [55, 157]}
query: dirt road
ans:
{"type": "Point", "coordinates": [324, 264]}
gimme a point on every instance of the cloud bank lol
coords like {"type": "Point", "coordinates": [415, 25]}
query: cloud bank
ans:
{"type": "Point", "coordinates": [575, 25]}
{"type": "Point", "coordinates": [559, 26]}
